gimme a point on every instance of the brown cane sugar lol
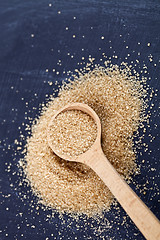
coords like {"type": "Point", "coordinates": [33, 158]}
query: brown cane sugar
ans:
{"type": "Point", "coordinates": [116, 95]}
{"type": "Point", "coordinates": [72, 132]}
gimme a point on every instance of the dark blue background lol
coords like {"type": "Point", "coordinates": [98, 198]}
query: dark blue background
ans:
{"type": "Point", "coordinates": [33, 38]}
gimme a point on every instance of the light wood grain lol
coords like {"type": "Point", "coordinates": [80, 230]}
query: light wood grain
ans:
{"type": "Point", "coordinates": [143, 218]}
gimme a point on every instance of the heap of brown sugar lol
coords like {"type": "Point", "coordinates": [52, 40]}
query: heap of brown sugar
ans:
{"type": "Point", "coordinates": [116, 95]}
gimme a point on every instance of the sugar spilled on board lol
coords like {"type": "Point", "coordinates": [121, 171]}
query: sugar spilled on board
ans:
{"type": "Point", "coordinates": [118, 97]}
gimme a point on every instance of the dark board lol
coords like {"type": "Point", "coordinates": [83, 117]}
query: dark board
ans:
{"type": "Point", "coordinates": [33, 38]}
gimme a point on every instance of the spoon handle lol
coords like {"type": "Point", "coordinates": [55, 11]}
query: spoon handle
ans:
{"type": "Point", "coordinates": [140, 214]}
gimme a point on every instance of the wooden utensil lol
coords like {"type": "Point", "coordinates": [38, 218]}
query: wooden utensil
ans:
{"type": "Point", "coordinates": [143, 218]}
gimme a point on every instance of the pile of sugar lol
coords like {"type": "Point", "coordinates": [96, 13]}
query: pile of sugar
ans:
{"type": "Point", "coordinates": [72, 133]}
{"type": "Point", "coordinates": [116, 95]}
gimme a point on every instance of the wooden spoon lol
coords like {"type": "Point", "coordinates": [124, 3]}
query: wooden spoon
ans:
{"type": "Point", "coordinates": [143, 218]}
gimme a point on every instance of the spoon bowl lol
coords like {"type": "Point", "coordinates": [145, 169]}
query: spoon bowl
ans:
{"type": "Point", "coordinates": [96, 145]}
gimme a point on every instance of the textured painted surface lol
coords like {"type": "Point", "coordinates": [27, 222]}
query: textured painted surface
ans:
{"type": "Point", "coordinates": [35, 35]}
